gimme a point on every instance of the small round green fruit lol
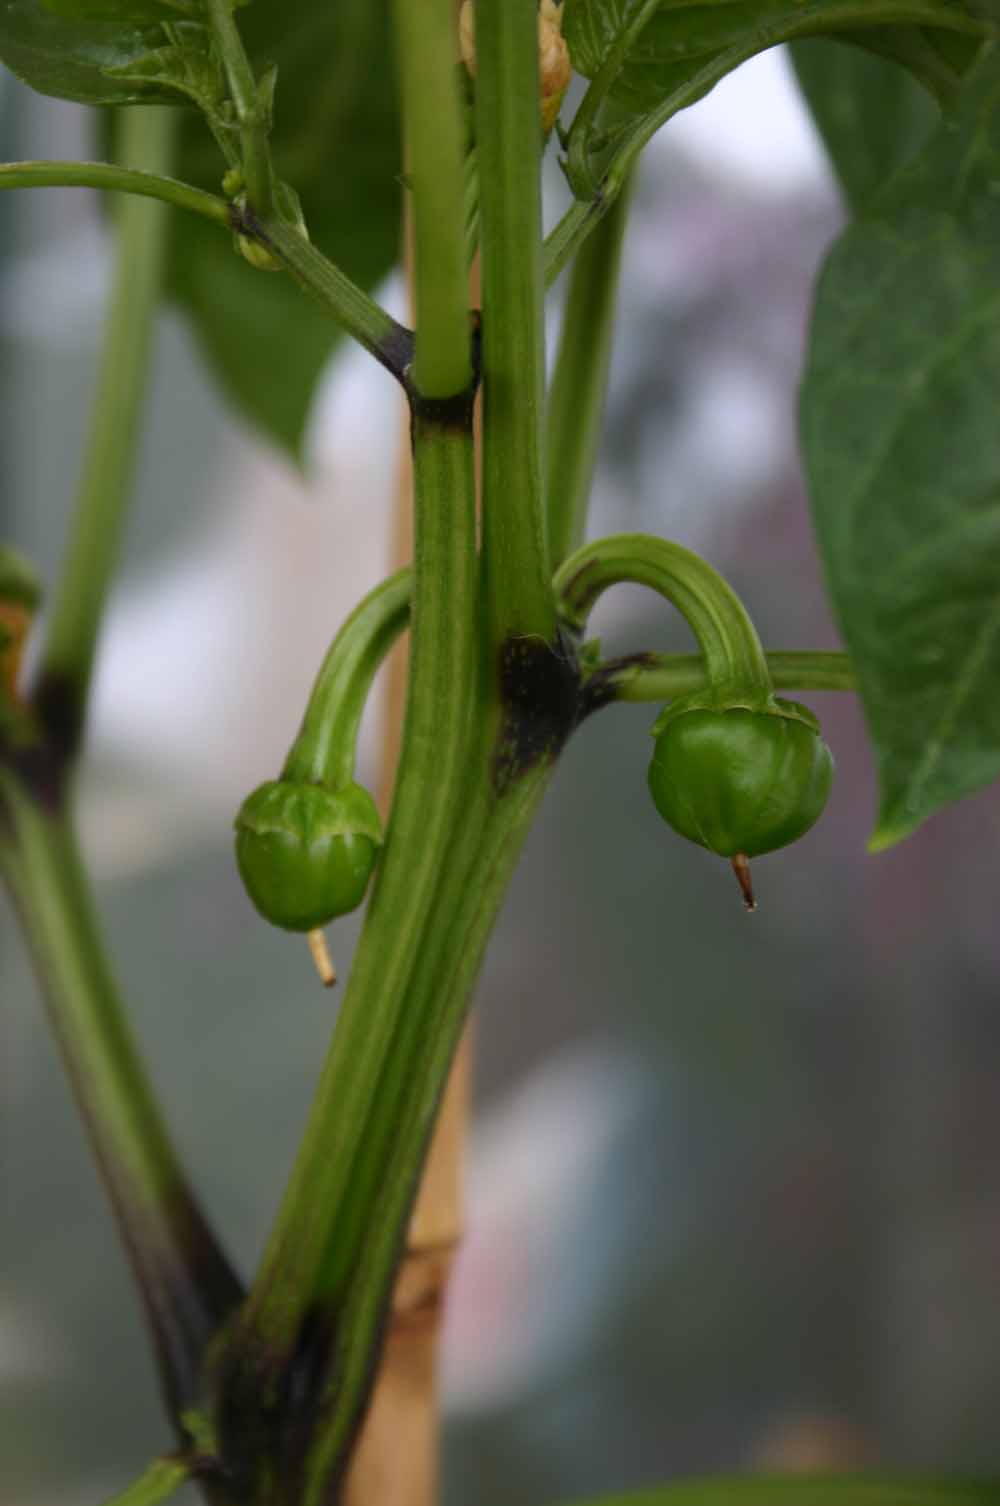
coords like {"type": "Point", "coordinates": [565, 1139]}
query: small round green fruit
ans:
{"type": "Point", "coordinates": [305, 852]}
{"type": "Point", "coordinates": [740, 780]}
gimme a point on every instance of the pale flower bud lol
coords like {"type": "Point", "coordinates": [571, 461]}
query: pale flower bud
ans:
{"type": "Point", "coordinates": [554, 66]}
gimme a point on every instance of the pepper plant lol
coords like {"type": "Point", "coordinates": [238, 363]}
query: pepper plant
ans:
{"type": "Point", "coordinates": [276, 208]}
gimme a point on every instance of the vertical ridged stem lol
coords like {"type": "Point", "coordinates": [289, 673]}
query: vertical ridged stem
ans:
{"type": "Point", "coordinates": [186, 1284]}
{"type": "Point", "coordinates": [508, 147]}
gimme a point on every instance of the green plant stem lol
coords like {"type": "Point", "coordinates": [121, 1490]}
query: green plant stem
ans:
{"type": "Point", "coordinates": [314, 1261]}
{"type": "Point", "coordinates": [425, 36]}
{"type": "Point", "coordinates": [102, 500]}
{"type": "Point", "coordinates": [486, 845]}
{"type": "Point", "coordinates": [582, 216]}
{"type": "Point", "coordinates": [157, 1483]}
{"type": "Point", "coordinates": [106, 176]}
{"type": "Point", "coordinates": [324, 750]}
{"type": "Point", "coordinates": [357, 314]}
{"type": "Point", "coordinates": [579, 382]}
{"type": "Point", "coordinates": [251, 110]}
{"type": "Point", "coordinates": [187, 1285]}
{"type": "Point", "coordinates": [728, 640]}
{"type": "Point", "coordinates": [508, 145]}
{"type": "Point", "coordinates": [661, 677]}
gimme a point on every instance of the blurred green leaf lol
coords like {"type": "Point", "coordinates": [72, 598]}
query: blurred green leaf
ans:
{"type": "Point", "coordinates": [842, 1490]}
{"type": "Point", "coordinates": [871, 113]}
{"type": "Point", "coordinates": [129, 11]}
{"type": "Point", "coordinates": [650, 61]}
{"type": "Point", "coordinates": [186, 66]}
{"type": "Point", "coordinates": [902, 454]}
{"type": "Point", "coordinates": [68, 58]}
{"type": "Point", "coordinates": [336, 141]}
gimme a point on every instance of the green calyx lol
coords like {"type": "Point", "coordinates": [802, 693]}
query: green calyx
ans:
{"type": "Point", "coordinates": [306, 852]}
{"type": "Point", "coordinates": [739, 779]}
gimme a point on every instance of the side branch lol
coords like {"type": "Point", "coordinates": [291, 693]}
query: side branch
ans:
{"type": "Point", "coordinates": [662, 677]}
{"type": "Point", "coordinates": [107, 176]}
{"type": "Point", "coordinates": [579, 382]}
{"type": "Point", "coordinates": [160, 1481]}
{"type": "Point", "coordinates": [390, 342]}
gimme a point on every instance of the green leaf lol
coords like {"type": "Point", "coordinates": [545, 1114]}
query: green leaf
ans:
{"type": "Point", "coordinates": [336, 141]}
{"type": "Point", "coordinates": [129, 11]}
{"type": "Point", "coordinates": [648, 60]}
{"type": "Point", "coordinates": [872, 114]}
{"type": "Point", "coordinates": [189, 69]}
{"type": "Point", "coordinates": [68, 58]}
{"type": "Point", "coordinates": [844, 1490]}
{"type": "Point", "coordinates": [902, 455]}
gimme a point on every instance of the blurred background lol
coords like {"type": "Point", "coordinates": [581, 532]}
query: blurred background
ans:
{"type": "Point", "coordinates": [732, 1196]}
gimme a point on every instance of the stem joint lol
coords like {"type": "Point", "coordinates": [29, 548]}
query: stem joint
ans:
{"type": "Point", "coordinates": [539, 693]}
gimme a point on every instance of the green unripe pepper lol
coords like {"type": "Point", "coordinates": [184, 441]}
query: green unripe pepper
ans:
{"type": "Point", "coordinates": [735, 769]}
{"type": "Point", "coordinates": [306, 844]}
{"type": "Point", "coordinates": [739, 780]}
{"type": "Point", "coordinates": [306, 852]}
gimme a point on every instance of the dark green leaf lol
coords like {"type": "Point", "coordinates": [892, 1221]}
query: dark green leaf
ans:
{"type": "Point", "coordinates": [336, 141]}
{"type": "Point", "coordinates": [68, 58]}
{"type": "Point", "coordinates": [872, 115]}
{"type": "Point", "coordinates": [838, 1491]}
{"type": "Point", "coordinates": [130, 11]}
{"type": "Point", "coordinates": [190, 70]}
{"type": "Point", "coordinates": [651, 60]}
{"type": "Point", "coordinates": [902, 453]}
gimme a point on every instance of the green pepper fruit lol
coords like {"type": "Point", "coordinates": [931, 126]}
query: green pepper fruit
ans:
{"type": "Point", "coordinates": [306, 852]}
{"type": "Point", "coordinates": [740, 780]}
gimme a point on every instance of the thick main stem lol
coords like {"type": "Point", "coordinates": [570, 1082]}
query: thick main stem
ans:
{"type": "Point", "coordinates": [426, 48]}
{"type": "Point", "coordinates": [396, 1458]}
{"type": "Point", "coordinates": [508, 143]}
{"type": "Point", "coordinates": [315, 1259]}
